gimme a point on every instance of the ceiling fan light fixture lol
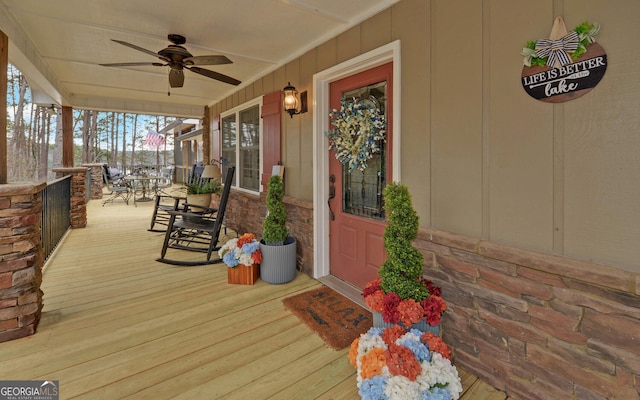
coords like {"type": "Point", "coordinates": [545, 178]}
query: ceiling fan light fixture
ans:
{"type": "Point", "coordinates": [175, 53]}
{"type": "Point", "coordinates": [176, 78]}
{"type": "Point", "coordinates": [178, 58]}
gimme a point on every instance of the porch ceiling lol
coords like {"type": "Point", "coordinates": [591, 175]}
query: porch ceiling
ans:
{"type": "Point", "coordinates": [59, 44]}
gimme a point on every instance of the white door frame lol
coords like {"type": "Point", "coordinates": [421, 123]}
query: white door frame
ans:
{"type": "Point", "coordinates": [382, 55]}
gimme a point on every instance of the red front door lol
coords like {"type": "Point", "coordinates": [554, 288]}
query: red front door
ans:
{"type": "Point", "coordinates": [357, 218]}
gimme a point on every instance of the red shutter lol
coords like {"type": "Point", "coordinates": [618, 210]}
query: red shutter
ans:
{"type": "Point", "coordinates": [271, 121]}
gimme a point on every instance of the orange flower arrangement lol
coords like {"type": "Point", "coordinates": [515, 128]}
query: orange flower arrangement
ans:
{"type": "Point", "coordinates": [353, 352]}
{"type": "Point", "coordinates": [375, 301]}
{"type": "Point", "coordinates": [396, 364]}
{"type": "Point", "coordinates": [410, 312]}
{"type": "Point", "coordinates": [401, 361]}
{"type": "Point", "coordinates": [390, 335]}
{"type": "Point", "coordinates": [436, 343]}
{"type": "Point", "coordinates": [372, 363]}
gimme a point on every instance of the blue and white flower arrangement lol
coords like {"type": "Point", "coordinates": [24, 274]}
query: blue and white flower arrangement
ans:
{"type": "Point", "coordinates": [358, 130]}
{"type": "Point", "coordinates": [244, 250]}
{"type": "Point", "coordinates": [394, 364]}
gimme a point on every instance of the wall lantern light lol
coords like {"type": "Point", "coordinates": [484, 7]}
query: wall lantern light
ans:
{"type": "Point", "coordinates": [212, 171]}
{"type": "Point", "coordinates": [290, 102]}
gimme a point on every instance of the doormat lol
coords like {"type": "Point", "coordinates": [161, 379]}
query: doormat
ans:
{"type": "Point", "coordinates": [335, 318]}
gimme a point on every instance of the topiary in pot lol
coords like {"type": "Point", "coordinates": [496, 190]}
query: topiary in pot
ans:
{"type": "Point", "coordinates": [401, 295]}
{"type": "Point", "coordinates": [402, 270]}
{"type": "Point", "coordinates": [274, 229]}
{"type": "Point", "coordinates": [278, 248]}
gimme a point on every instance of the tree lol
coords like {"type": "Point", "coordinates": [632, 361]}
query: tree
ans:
{"type": "Point", "coordinates": [86, 142]}
{"type": "Point", "coordinates": [133, 140]}
{"type": "Point", "coordinates": [124, 140]}
{"type": "Point", "coordinates": [57, 149]}
{"type": "Point", "coordinates": [157, 147]}
{"type": "Point", "coordinates": [20, 158]}
{"type": "Point", "coordinates": [43, 143]}
{"type": "Point", "coordinates": [93, 136]}
{"type": "Point", "coordinates": [16, 157]}
{"type": "Point", "coordinates": [114, 140]}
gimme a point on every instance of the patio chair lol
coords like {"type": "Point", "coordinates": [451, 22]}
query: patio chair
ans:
{"type": "Point", "coordinates": [197, 229]}
{"type": "Point", "coordinates": [117, 187]}
{"type": "Point", "coordinates": [164, 181]}
{"type": "Point", "coordinates": [165, 202]}
{"type": "Point", "coordinates": [110, 173]}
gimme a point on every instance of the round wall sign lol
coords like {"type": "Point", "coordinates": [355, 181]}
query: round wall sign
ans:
{"type": "Point", "coordinates": [561, 77]}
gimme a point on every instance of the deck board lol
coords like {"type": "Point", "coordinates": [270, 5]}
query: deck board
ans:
{"type": "Point", "coordinates": [117, 324]}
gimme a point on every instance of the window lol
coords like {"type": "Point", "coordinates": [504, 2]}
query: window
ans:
{"type": "Point", "coordinates": [241, 132]}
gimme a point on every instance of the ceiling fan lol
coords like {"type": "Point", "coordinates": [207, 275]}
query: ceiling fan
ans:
{"type": "Point", "coordinates": [178, 58]}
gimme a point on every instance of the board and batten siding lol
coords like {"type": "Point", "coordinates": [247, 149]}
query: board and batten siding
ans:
{"type": "Point", "coordinates": [528, 210]}
{"type": "Point", "coordinates": [479, 155]}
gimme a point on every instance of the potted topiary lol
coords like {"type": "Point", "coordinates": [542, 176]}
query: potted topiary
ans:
{"type": "Point", "coordinates": [402, 356]}
{"type": "Point", "coordinates": [278, 248]}
{"type": "Point", "coordinates": [401, 295]}
{"type": "Point", "coordinates": [199, 192]}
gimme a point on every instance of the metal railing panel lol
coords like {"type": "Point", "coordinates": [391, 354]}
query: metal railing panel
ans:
{"type": "Point", "coordinates": [56, 209]}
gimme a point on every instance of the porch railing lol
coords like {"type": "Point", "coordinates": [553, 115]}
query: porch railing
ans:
{"type": "Point", "coordinates": [56, 206]}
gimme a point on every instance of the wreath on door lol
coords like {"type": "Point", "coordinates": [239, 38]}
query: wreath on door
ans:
{"type": "Point", "coordinates": [358, 131]}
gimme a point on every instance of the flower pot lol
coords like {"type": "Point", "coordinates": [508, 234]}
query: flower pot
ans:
{"type": "Point", "coordinates": [404, 371]}
{"type": "Point", "coordinates": [278, 262]}
{"type": "Point", "coordinates": [215, 200]}
{"type": "Point", "coordinates": [202, 200]}
{"type": "Point", "coordinates": [378, 322]}
{"type": "Point", "coordinates": [243, 275]}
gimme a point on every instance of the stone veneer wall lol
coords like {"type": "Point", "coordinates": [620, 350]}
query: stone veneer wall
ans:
{"type": "Point", "coordinates": [537, 326]}
{"type": "Point", "coordinates": [21, 259]}
{"type": "Point", "coordinates": [78, 217]}
{"type": "Point", "coordinates": [96, 180]}
{"type": "Point", "coordinates": [245, 213]}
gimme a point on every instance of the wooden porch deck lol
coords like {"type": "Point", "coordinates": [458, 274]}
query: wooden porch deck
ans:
{"type": "Point", "coordinates": [117, 324]}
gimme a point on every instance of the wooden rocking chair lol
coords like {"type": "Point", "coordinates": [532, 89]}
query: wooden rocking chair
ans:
{"type": "Point", "coordinates": [168, 202]}
{"type": "Point", "coordinates": [197, 229]}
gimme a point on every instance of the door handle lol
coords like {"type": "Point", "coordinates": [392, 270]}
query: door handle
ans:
{"type": "Point", "coordinates": [332, 194]}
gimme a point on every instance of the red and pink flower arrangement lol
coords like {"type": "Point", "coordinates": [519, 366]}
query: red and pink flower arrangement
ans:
{"type": "Point", "coordinates": [408, 311]}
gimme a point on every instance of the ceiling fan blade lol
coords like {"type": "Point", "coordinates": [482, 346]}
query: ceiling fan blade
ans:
{"type": "Point", "coordinates": [176, 78]}
{"type": "Point", "coordinates": [134, 64]}
{"type": "Point", "coordinates": [207, 60]}
{"type": "Point", "coordinates": [215, 75]}
{"type": "Point", "coordinates": [133, 46]}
